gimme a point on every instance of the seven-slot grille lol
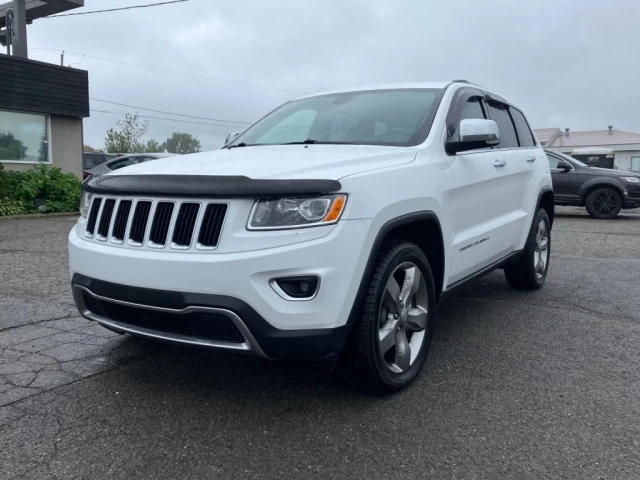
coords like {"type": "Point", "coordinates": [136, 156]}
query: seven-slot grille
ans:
{"type": "Point", "coordinates": [157, 224]}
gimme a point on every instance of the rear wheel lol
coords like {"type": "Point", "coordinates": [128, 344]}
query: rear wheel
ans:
{"type": "Point", "coordinates": [604, 203]}
{"type": "Point", "coordinates": [391, 339]}
{"type": "Point", "coordinates": [530, 270]}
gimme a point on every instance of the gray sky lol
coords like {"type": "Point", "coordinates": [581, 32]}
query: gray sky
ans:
{"type": "Point", "coordinates": [567, 63]}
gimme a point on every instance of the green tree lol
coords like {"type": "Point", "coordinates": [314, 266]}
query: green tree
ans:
{"type": "Point", "coordinates": [127, 138]}
{"type": "Point", "coordinates": [153, 146]}
{"type": "Point", "coordinates": [181, 143]}
{"type": "Point", "coordinates": [11, 148]}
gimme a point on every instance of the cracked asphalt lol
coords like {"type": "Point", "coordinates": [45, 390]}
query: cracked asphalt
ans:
{"type": "Point", "coordinates": [517, 385]}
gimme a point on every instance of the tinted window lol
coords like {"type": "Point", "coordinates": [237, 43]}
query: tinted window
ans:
{"type": "Point", "coordinates": [91, 160]}
{"type": "Point", "coordinates": [125, 162]}
{"type": "Point", "coordinates": [500, 115]}
{"type": "Point", "coordinates": [472, 109]}
{"type": "Point", "coordinates": [383, 117]}
{"type": "Point", "coordinates": [553, 161]}
{"type": "Point", "coordinates": [522, 127]}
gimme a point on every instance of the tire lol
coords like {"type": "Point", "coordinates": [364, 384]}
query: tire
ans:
{"type": "Point", "coordinates": [529, 272]}
{"type": "Point", "coordinates": [386, 324]}
{"type": "Point", "coordinates": [604, 203]}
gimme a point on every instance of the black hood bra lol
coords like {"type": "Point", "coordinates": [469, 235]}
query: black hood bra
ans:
{"type": "Point", "coordinates": [206, 186]}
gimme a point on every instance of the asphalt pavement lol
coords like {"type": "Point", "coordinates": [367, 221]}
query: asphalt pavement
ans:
{"type": "Point", "coordinates": [517, 385]}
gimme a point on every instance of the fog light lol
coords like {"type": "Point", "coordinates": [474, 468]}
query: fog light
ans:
{"type": "Point", "coordinates": [296, 288]}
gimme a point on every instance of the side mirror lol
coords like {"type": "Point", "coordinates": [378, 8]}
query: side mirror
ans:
{"type": "Point", "coordinates": [564, 165]}
{"type": "Point", "coordinates": [473, 134]}
{"type": "Point", "coordinates": [231, 136]}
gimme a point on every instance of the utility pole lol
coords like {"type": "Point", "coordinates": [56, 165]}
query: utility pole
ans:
{"type": "Point", "coordinates": [62, 59]}
{"type": "Point", "coordinates": [20, 29]}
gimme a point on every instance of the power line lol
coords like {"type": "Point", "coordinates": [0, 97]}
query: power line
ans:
{"type": "Point", "coordinates": [245, 84]}
{"type": "Point", "coordinates": [170, 128]}
{"type": "Point", "coordinates": [169, 113]}
{"type": "Point", "coordinates": [170, 119]}
{"type": "Point", "coordinates": [116, 9]}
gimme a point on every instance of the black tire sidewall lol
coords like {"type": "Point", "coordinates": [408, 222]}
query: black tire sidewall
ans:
{"type": "Point", "coordinates": [591, 198]}
{"type": "Point", "coordinates": [392, 380]}
{"type": "Point", "coordinates": [521, 274]}
{"type": "Point", "coordinates": [542, 215]}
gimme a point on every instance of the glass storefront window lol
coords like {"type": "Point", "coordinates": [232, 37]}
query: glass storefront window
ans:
{"type": "Point", "coordinates": [23, 137]}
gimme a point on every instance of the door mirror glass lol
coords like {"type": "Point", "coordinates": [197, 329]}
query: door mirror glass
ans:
{"type": "Point", "coordinates": [564, 165]}
{"type": "Point", "coordinates": [475, 133]}
{"type": "Point", "coordinates": [230, 137]}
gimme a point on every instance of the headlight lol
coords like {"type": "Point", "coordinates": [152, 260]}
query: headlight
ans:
{"type": "Point", "coordinates": [631, 179]}
{"type": "Point", "coordinates": [85, 202]}
{"type": "Point", "coordinates": [283, 213]}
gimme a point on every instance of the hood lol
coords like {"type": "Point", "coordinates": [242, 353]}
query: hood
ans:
{"type": "Point", "coordinates": [606, 172]}
{"type": "Point", "coordinates": [279, 162]}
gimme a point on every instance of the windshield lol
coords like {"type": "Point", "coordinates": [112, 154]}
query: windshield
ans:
{"type": "Point", "coordinates": [381, 117]}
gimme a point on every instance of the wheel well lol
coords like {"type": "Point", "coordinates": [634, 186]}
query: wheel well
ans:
{"type": "Point", "coordinates": [601, 185]}
{"type": "Point", "coordinates": [427, 235]}
{"type": "Point", "coordinates": [546, 202]}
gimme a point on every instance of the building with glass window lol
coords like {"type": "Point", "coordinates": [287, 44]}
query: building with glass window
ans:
{"type": "Point", "coordinates": [41, 111]}
{"type": "Point", "coordinates": [609, 148]}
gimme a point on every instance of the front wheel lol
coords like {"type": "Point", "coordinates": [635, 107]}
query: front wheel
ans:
{"type": "Point", "coordinates": [391, 340]}
{"type": "Point", "coordinates": [530, 270]}
{"type": "Point", "coordinates": [604, 203]}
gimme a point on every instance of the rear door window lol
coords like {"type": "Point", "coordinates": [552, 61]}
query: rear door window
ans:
{"type": "Point", "coordinates": [522, 127]}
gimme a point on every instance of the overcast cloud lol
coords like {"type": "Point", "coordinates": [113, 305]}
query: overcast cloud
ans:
{"type": "Point", "coordinates": [567, 63]}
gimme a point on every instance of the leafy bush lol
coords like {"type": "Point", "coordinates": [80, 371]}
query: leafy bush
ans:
{"type": "Point", "coordinates": [61, 191]}
{"type": "Point", "coordinates": [10, 206]}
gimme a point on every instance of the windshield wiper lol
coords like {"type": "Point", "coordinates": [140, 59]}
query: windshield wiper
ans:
{"type": "Point", "coordinates": [310, 141]}
{"type": "Point", "coordinates": [241, 144]}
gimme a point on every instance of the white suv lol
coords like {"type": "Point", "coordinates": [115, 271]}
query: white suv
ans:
{"type": "Point", "coordinates": [328, 230]}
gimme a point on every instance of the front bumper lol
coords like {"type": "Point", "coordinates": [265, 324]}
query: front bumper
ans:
{"type": "Point", "coordinates": [632, 196]}
{"type": "Point", "coordinates": [255, 335]}
{"type": "Point", "coordinates": [233, 285]}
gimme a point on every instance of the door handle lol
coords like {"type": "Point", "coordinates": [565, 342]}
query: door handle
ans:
{"type": "Point", "coordinates": [499, 163]}
{"type": "Point", "coordinates": [531, 158]}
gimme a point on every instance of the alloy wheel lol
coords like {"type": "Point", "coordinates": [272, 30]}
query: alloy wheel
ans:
{"type": "Point", "coordinates": [605, 203]}
{"type": "Point", "coordinates": [403, 317]}
{"type": "Point", "coordinates": [541, 253]}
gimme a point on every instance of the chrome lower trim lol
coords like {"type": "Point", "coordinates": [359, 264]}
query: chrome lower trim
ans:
{"type": "Point", "coordinates": [249, 346]}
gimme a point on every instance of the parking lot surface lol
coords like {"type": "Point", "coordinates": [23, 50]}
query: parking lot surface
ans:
{"type": "Point", "coordinates": [517, 385]}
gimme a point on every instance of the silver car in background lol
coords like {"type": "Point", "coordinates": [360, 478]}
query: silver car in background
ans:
{"type": "Point", "coordinates": [123, 161]}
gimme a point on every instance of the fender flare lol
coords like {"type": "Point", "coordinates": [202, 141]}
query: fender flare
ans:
{"type": "Point", "coordinates": [377, 244]}
{"type": "Point", "coordinates": [543, 191]}
{"type": "Point", "coordinates": [599, 182]}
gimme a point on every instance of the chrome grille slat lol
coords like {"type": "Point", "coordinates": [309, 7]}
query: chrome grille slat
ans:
{"type": "Point", "coordinates": [162, 223]}
{"type": "Point", "coordinates": [211, 226]}
{"type": "Point", "coordinates": [105, 218]}
{"type": "Point", "coordinates": [120, 223]}
{"type": "Point", "coordinates": [139, 222]}
{"type": "Point", "coordinates": [93, 216]}
{"type": "Point", "coordinates": [185, 225]}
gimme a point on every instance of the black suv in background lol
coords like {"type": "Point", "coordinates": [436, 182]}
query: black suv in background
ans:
{"type": "Point", "coordinates": [604, 192]}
